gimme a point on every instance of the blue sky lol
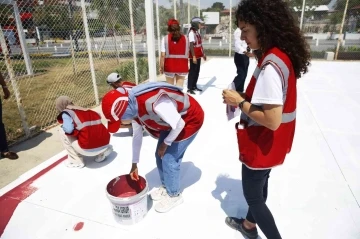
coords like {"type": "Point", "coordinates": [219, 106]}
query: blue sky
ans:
{"type": "Point", "coordinates": [203, 3]}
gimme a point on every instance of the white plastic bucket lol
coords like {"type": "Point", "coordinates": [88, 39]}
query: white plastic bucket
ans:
{"type": "Point", "coordinates": [129, 199]}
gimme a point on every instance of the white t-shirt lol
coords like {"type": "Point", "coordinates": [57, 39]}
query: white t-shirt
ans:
{"type": "Point", "coordinates": [166, 109]}
{"type": "Point", "coordinates": [162, 48]}
{"type": "Point", "coordinates": [240, 45]}
{"type": "Point", "coordinates": [191, 36]}
{"type": "Point", "coordinates": [268, 88]}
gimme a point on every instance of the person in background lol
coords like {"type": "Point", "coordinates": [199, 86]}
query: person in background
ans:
{"type": "Point", "coordinates": [169, 115]}
{"type": "Point", "coordinates": [82, 133]}
{"type": "Point", "coordinates": [115, 81]}
{"type": "Point", "coordinates": [174, 55]}
{"type": "Point", "coordinates": [241, 60]}
{"type": "Point", "coordinates": [267, 123]}
{"type": "Point", "coordinates": [4, 148]}
{"type": "Point", "coordinates": [195, 54]}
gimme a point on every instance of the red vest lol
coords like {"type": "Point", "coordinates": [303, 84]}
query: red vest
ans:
{"type": "Point", "coordinates": [198, 49]}
{"type": "Point", "coordinates": [128, 85]}
{"type": "Point", "coordinates": [260, 147]}
{"type": "Point", "coordinates": [189, 109]}
{"type": "Point", "coordinates": [89, 130]}
{"type": "Point", "coordinates": [176, 55]}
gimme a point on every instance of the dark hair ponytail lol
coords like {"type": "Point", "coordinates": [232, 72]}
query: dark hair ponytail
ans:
{"type": "Point", "coordinates": [174, 29]}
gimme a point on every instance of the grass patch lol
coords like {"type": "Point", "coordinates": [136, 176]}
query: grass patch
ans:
{"type": "Point", "coordinates": [54, 77]}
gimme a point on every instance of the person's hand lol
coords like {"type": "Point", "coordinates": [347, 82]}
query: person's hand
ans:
{"type": "Point", "coordinates": [6, 93]}
{"type": "Point", "coordinates": [250, 54]}
{"type": "Point", "coordinates": [204, 57]}
{"type": "Point", "coordinates": [232, 97]}
{"type": "Point", "coordinates": [161, 70]}
{"type": "Point", "coordinates": [161, 150]}
{"type": "Point", "coordinates": [134, 175]}
{"type": "Point", "coordinates": [194, 60]}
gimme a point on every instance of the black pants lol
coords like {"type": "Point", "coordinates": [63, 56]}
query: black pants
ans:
{"type": "Point", "coordinates": [255, 187]}
{"type": "Point", "coordinates": [3, 141]}
{"type": "Point", "coordinates": [193, 74]}
{"type": "Point", "coordinates": [242, 65]}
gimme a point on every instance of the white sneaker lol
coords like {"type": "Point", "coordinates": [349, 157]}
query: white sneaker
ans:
{"type": "Point", "coordinates": [168, 203]}
{"type": "Point", "coordinates": [158, 194]}
{"type": "Point", "coordinates": [102, 157]}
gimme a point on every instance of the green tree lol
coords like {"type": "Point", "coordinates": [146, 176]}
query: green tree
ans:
{"type": "Point", "coordinates": [309, 3]}
{"type": "Point", "coordinates": [340, 4]}
{"type": "Point", "coordinates": [216, 7]}
{"type": "Point", "coordinates": [55, 18]}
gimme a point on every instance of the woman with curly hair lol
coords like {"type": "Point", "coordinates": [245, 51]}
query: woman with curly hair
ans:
{"type": "Point", "coordinates": [267, 124]}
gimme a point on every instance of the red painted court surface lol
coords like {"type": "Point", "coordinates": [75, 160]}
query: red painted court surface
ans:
{"type": "Point", "coordinates": [315, 194]}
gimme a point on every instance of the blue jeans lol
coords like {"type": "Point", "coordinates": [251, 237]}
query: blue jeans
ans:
{"type": "Point", "coordinates": [169, 165]}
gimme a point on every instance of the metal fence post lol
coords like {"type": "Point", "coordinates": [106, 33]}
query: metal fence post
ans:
{"type": "Point", "coordinates": [149, 5]}
{"type": "Point", "coordinates": [199, 8]}
{"type": "Point", "coordinates": [88, 43]}
{"type": "Point", "coordinates": [23, 45]}
{"type": "Point", "coordinates": [174, 8]}
{"type": "Point", "coordinates": [302, 14]}
{"type": "Point", "coordinates": [188, 12]}
{"type": "Point", "coordinates": [158, 28]}
{"type": "Point", "coordinates": [133, 41]}
{"type": "Point", "coordinates": [230, 28]}
{"type": "Point", "coordinates": [14, 84]}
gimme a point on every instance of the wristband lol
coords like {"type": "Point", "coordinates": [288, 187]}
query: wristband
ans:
{"type": "Point", "coordinates": [242, 104]}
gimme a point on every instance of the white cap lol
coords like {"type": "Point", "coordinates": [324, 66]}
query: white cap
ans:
{"type": "Point", "coordinates": [197, 19]}
{"type": "Point", "coordinates": [113, 77]}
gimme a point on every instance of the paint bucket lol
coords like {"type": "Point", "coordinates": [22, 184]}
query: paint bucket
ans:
{"type": "Point", "coordinates": [129, 199]}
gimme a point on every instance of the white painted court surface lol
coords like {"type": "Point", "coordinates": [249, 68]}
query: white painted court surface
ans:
{"type": "Point", "coordinates": [315, 194]}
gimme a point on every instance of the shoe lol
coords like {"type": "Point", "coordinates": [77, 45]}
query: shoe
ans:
{"type": "Point", "coordinates": [197, 89]}
{"type": "Point", "coordinates": [101, 157]}
{"type": "Point", "coordinates": [237, 224]}
{"type": "Point", "coordinates": [191, 92]}
{"type": "Point", "coordinates": [9, 155]}
{"type": "Point", "coordinates": [168, 203]}
{"type": "Point", "coordinates": [158, 194]}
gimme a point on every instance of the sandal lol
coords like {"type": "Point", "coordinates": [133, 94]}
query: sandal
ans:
{"type": "Point", "coordinates": [10, 155]}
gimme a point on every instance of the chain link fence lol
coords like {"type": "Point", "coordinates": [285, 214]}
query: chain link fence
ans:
{"type": "Point", "coordinates": [68, 47]}
{"type": "Point", "coordinates": [332, 27]}
{"type": "Point", "coordinates": [51, 48]}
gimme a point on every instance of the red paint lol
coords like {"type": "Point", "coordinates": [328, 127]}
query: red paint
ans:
{"type": "Point", "coordinates": [78, 226]}
{"type": "Point", "coordinates": [124, 186]}
{"type": "Point", "coordinates": [10, 200]}
{"type": "Point", "coordinates": [126, 194]}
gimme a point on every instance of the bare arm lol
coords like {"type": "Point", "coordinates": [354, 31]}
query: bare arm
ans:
{"type": "Point", "coordinates": [162, 60]}
{"type": "Point", "coordinates": [2, 80]}
{"type": "Point", "coordinates": [269, 115]}
{"type": "Point", "coordinates": [4, 87]}
{"type": "Point", "coordinates": [192, 49]}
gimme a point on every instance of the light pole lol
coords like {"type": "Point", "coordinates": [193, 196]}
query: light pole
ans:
{"type": "Point", "coordinates": [302, 14]}
{"type": "Point", "coordinates": [341, 29]}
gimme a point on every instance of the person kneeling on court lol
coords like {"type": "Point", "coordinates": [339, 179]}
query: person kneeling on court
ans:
{"type": "Point", "coordinates": [82, 133]}
{"type": "Point", "coordinates": [170, 116]}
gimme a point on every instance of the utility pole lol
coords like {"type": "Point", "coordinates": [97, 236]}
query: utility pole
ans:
{"type": "Point", "coordinates": [72, 37]}
{"type": "Point", "coordinates": [341, 29]}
